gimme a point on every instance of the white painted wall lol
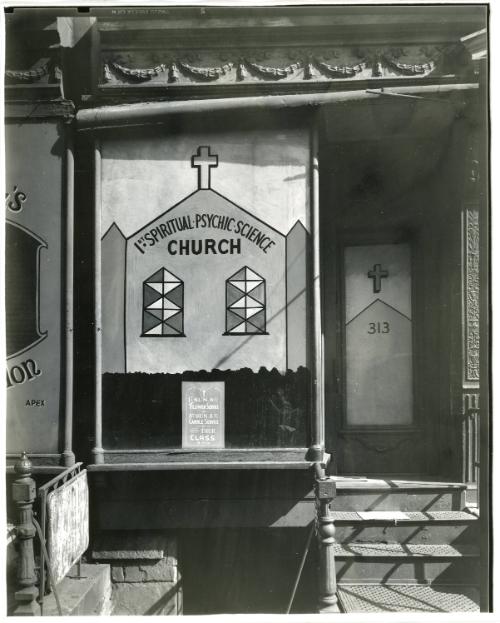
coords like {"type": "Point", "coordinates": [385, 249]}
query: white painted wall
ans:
{"type": "Point", "coordinates": [145, 181]}
{"type": "Point", "coordinates": [205, 346]}
{"type": "Point", "coordinates": [265, 172]}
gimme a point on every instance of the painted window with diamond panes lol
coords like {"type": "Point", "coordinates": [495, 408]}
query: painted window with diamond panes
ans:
{"type": "Point", "coordinates": [246, 303]}
{"type": "Point", "coordinates": [217, 254]}
{"type": "Point", "coordinates": [163, 305]}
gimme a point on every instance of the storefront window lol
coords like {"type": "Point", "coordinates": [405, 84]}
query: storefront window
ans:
{"type": "Point", "coordinates": [206, 238]}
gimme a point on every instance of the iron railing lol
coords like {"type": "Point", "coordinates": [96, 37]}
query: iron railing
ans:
{"type": "Point", "coordinates": [61, 479]}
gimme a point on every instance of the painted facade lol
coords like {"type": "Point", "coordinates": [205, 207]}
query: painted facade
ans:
{"type": "Point", "coordinates": [204, 241]}
{"type": "Point", "coordinates": [269, 313]}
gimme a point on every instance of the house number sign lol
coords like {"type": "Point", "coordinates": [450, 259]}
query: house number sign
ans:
{"type": "Point", "coordinates": [378, 327]}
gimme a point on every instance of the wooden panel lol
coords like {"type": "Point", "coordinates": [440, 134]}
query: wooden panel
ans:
{"type": "Point", "coordinates": [161, 515]}
{"type": "Point", "coordinates": [224, 457]}
{"type": "Point", "coordinates": [34, 254]}
{"type": "Point", "coordinates": [148, 487]}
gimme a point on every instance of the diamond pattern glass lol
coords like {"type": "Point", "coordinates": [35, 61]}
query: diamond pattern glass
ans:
{"type": "Point", "coordinates": [245, 303]}
{"type": "Point", "coordinates": [163, 305]}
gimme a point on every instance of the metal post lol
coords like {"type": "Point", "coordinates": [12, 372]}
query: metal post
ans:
{"type": "Point", "coordinates": [327, 598]}
{"type": "Point", "coordinates": [68, 454]}
{"type": "Point", "coordinates": [318, 423]}
{"type": "Point", "coordinates": [97, 451]}
{"type": "Point", "coordinates": [23, 494]}
{"type": "Point", "coordinates": [42, 493]}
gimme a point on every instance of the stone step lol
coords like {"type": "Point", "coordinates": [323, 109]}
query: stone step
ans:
{"type": "Point", "coordinates": [369, 598]}
{"type": "Point", "coordinates": [407, 563]}
{"type": "Point", "coordinates": [371, 494]}
{"type": "Point", "coordinates": [146, 579]}
{"type": "Point", "coordinates": [431, 527]}
{"type": "Point", "coordinates": [89, 594]}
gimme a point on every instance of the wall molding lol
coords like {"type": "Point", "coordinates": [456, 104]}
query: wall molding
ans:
{"type": "Point", "coordinates": [279, 64]}
{"type": "Point", "coordinates": [471, 295]}
{"type": "Point", "coordinates": [44, 71]}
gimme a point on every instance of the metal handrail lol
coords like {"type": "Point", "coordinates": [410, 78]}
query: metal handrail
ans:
{"type": "Point", "coordinates": [49, 567]}
{"type": "Point", "coordinates": [74, 470]}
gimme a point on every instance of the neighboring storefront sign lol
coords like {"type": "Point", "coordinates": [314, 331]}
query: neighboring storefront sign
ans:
{"type": "Point", "coordinates": [33, 268]}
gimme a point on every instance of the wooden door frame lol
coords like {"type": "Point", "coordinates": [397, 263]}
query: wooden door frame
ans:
{"type": "Point", "coordinates": [337, 427]}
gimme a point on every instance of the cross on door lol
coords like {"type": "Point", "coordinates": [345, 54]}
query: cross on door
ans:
{"type": "Point", "coordinates": [377, 274]}
{"type": "Point", "coordinates": [204, 161]}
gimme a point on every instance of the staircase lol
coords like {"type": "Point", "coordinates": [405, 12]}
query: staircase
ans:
{"type": "Point", "coordinates": [405, 546]}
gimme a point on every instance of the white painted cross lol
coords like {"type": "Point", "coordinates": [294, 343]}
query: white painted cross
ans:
{"type": "Point", "coordinates": [204, 161]}
{"type": "Point", "coordinates": [377, 274]}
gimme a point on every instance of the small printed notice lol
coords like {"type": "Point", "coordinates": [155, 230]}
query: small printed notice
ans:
{"type": "Point", "coordinates": [202, 414]}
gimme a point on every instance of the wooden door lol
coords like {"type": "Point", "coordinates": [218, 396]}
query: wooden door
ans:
{"type": "Point", "coordinates": [392, 402]}
{"type": "Point", "coordinates": [371, 384]}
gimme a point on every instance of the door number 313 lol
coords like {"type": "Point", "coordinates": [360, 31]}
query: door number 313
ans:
{"type": "Point", "coordinates": [378, 327]}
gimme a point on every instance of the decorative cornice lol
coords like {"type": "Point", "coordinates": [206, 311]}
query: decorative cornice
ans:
{"type": "Point", "coordinates": [205, 73]}
{"type": "Point", "coordinates": [28, 75]}
{"type": "Point", "coordinates": [337, 71]}
{"type": "Point", "coordinates": [412, 70]}
{"type": "Point", "coordinates": [46, 71]}
{"type": "Point", "coordinates": [135, 74]}
{"type": "Point", "coordinates": [276, 73]}
{"type": "Point", "coordinates": [307, 64]}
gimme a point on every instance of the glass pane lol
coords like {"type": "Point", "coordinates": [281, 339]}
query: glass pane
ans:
{"type": "Point", "coordinates": [378, 334]}
{"type": "Point", "coordinates": [204, 291]}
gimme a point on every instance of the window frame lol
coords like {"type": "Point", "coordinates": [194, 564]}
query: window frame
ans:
{"type": "Point", "coordinates": [105, 459]}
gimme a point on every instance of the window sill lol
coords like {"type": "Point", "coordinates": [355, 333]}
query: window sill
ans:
{"type": "Point", "coordinates": [185, 459]}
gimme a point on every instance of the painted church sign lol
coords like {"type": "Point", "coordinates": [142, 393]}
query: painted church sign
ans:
{"type": "Point", "coordinates": [206, 291]}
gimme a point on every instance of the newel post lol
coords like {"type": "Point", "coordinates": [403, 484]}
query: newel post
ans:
{"type": "Point", "coordinates": [23, 494]}
{"type": "Point", "coordinates": [325, 492]}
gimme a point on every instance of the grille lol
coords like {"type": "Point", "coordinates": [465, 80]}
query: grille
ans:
{"type": "Point", "coordinates": [407, 598]}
